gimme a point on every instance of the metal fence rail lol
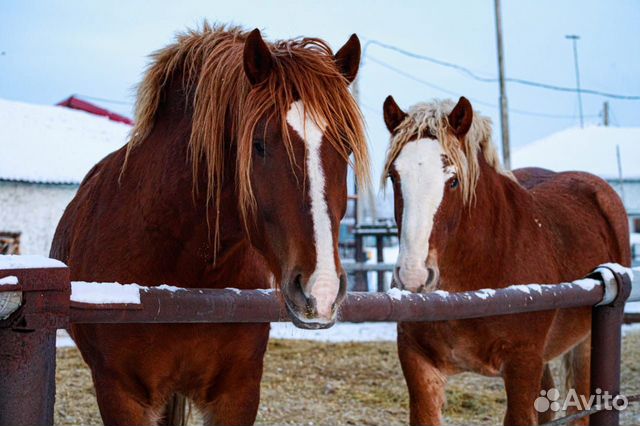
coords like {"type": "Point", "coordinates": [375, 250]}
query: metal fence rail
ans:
{"type": "Point", "coordinates": [27, 336]}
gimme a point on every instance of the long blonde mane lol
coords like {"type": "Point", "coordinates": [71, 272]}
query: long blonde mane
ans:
{"type": "Point", "coordinates": [209, 61]}
{"type": "Point", "coordinates": [432, 118]}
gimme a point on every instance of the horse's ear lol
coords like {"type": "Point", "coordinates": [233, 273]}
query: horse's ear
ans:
{"type": "Point", "coordinates": [257, 58]}
{"type": "Point", "coordinates": [461, 117]}
{"type": "Point", "coordinates": [348, 58]}
{"type": "Point", "coordinates": [393, 115]}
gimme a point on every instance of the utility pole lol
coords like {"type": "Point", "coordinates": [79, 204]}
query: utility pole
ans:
{"type": "Point", "coordinates": [605, 113]}
{"type": "Point", "coordinates": [574, 39]}
{"type": "Point", "coordinates": [504, 110]}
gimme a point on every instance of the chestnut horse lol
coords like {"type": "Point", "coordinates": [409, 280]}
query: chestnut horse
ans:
{"type": "Point", "coordinates": [465, 223]}
{"type": "Point", "coordinates": [235, 175]}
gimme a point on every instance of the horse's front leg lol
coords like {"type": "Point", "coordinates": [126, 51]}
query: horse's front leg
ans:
{"type": "Point", "coordinates": [425, 383]}
{"type": "Point", "coordinates": [522, 376]}
{"type": "Point", "coordinates": [233, 395]}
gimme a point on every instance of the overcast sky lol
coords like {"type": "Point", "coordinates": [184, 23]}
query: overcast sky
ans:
{"type": "Point", "coordinates": [53, 49]}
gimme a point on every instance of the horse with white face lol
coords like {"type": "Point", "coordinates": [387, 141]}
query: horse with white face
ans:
{"type": "Point", "coordinates": [235, 175]}
{"type": "Point", "coordinates": [466, 223]}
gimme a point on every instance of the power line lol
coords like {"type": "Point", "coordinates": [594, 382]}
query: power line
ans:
{"type": "Point", "coordinates": [477, 101]}
{"type": "Point", "coordinates": [468, 72]}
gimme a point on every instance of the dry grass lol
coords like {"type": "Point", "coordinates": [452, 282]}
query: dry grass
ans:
{"type": "Point", "coordinates": [348, 383]}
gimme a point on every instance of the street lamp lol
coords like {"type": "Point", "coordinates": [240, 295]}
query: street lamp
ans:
{"type": "Point", "coordinates": [574, 39]}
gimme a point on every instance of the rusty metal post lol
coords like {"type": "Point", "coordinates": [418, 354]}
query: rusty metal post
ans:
{"type": "Point", "coordinates": [27, 377]}
{"type": "Point", "coordinates": [606, 343]}
{"type": "Point", "coordinates": [380, 259]}
{"type": "Point", "coordinates": [362, 282]}
{"type": "Point", "coordinates": [28, 346]}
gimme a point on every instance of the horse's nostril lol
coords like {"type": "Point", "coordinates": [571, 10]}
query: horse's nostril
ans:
{"type": "Point", "coordinates": [432, 277]}
{"type": "Point", "coordinates": [396, 278]}
{"type": "Point", "coordinates": [297, 282]}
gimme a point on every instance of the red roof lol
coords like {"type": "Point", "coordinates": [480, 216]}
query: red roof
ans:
{"type": "Point", "coordinates": [75, 103]}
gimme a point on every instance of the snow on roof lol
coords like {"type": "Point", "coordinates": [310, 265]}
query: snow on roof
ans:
{"type": "Point", "coordinates": [592, 149]}
{"type": "Point", "coordinates": [52, 144]}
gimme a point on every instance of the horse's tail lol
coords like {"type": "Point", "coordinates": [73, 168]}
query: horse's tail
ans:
{"type": "Point", "coordinates": [176, 411]}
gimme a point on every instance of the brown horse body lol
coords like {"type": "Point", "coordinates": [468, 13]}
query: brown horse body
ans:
{"type": "Point", "coordinates": [215, 193]}
{"type": "Point", "coordinates": [541, 227]}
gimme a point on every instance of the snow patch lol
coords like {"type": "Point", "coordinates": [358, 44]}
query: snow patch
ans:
{"type": "Point", "coordinates": [441, 293]}
{"type": "Point", "coordinates": [24, 261]}
{"type": "Point", "coordinates": [485, 293]}
{"type": "Point", "coordinates": [396, 294]}
{"type": "Point", "coordinates": [524, 288]}
{"type": "Point", "coordinates": [102, 293]}
{"type": "Point", "coordinates": [615, 267]}
{"type": "Point", "coordinates": [233, 289]}
{"type": "Point", "coordinates": [10, 280]}
{"type": "Point", "coordinates": [171, 288]}
{"type": "Point", "coordinates": [587, 284]}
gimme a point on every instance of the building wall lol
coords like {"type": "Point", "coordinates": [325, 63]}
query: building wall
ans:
{"type": "Point", "coordinates": [33, 210]}
{"type": "Point", "coordinates": [631, 193]}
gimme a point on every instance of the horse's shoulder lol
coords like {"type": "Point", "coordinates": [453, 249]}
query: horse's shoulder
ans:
{"type": "Point", "coordinates": [79, 207]}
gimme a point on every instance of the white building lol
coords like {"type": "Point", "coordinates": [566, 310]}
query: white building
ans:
{"type": "Point", "coordinates": [45, 151]}
{"type": "Point", "coordinates": [613, 153]}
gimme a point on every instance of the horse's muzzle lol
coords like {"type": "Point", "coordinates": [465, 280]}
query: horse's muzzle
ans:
{"type": "Point", "coordinates": [302, 307]}
{"type": "Point", "coordinates": [416, 281]}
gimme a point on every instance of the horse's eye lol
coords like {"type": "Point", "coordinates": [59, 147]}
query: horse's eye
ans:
{"type": "Point", "coordinates": [454, 183]}
{"type": "Point", "coordinates": [259, 147]}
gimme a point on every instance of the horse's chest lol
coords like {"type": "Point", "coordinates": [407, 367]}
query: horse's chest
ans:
{"type": "Point", "coordinates": [457, 346]}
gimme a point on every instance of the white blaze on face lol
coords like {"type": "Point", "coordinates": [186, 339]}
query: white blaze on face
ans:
{"type": "Point", "coordinates": [422, 181]}
{"type": "Point", "coordinates": [323, 284]}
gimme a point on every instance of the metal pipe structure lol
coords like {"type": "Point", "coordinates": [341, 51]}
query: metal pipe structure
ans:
{"type": "Point", "coordinates": [28, 345]}
{"type": "Point", "coordinates": [606, 347]}
{"type": "Point", "coordinates": [251, 306]}
{"type": "Point", "coordinates": [50, 301]}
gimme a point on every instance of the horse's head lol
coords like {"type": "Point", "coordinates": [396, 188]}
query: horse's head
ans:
{"type": "Point", "coordinates": [271, 128]}
{"type": "Point", "coordinates": [299, 155]}
{"type": "Point", "coordinates": [432, 181]}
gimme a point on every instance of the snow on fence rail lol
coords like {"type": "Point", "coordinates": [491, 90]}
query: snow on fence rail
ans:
{"type": "Point", "coordinates": [48, 300]}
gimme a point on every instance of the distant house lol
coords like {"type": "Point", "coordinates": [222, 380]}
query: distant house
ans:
{"type": "Point", "coordinates": [45, 151]}
{"type": "Point", "coordinates": [595, 150]}
{"type": "Point", "coordinates": [74, 102]}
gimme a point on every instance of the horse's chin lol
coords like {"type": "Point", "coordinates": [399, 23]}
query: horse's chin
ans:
{"type": "Point", "coordinates": [302, 321]}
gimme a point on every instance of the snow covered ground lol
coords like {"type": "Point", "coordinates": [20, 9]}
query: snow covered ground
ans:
{"type": "Point", "coordinates": [341, 332]}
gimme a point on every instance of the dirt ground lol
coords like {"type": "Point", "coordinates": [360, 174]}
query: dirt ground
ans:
{"type": "Point", "coordinates": [348, 384]}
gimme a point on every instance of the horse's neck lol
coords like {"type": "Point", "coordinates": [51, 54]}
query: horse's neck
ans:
{"type": "Point", "coordinates": [223, 259]}
{"type": "Point", "coordinates": [487, 244]}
